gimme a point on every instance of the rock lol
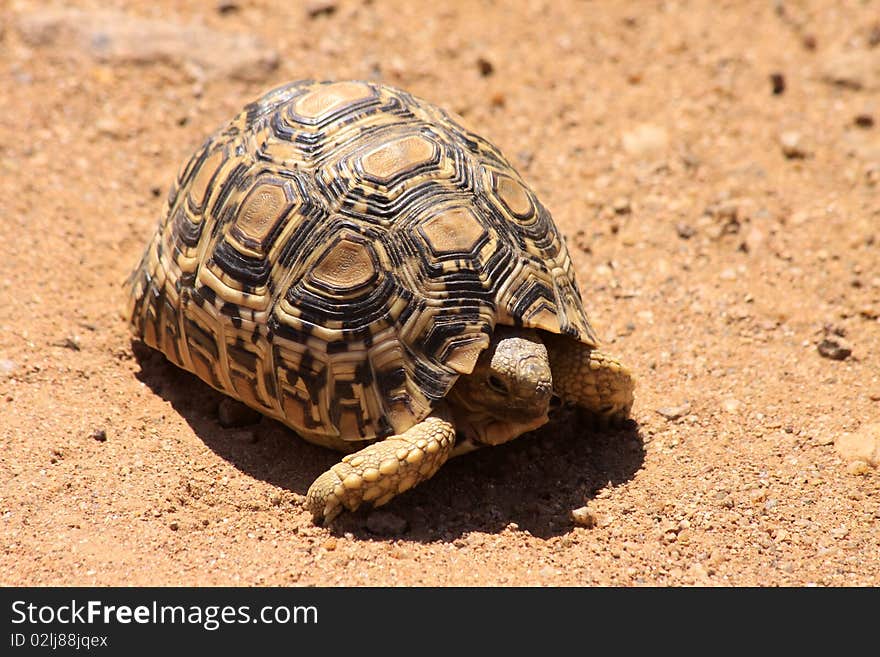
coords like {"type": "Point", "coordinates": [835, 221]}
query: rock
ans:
{"type": "Point", "coordinates": [861, 448]}
{"type": "Point", "coordinates": [856, 69]}
{"type": "Point", "coordinates": [99, 434]}
{"type": "Point", "coordinates": [675, 412]}
{"type": "Point", "coordinates": [385, 523]}
{"type": "Point", "coordinates": [835, 348]}
{"type": "Point", "coordinates": [233, 413]}
{"type": "Point", "coordinates": [583, 516]}
{"type": "Point", "coordinates": [864, 120]}
{"type": "Point", "coordinates": [792, 144]}
{"type": "Point", "coordinates": [118, 38]}
{"type": "Point", "coordinates": [645, 140]}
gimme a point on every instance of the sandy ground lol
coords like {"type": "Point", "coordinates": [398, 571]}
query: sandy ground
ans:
{"type": "Point", "coordinates": [715, 168]}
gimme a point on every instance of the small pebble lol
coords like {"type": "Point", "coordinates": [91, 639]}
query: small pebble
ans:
{"type": "Point", "coordinates": [173, 526]}
{"type": "Point", "coordinates": [330, 544]}
{"type": "Point", "coordinates": [485, 67]}
{"type": "Point", "coordinates": [777, 82]}
{"type": "Point", "coordinates": [645, 139]}
{"type": "Point", "coordinates": [315, 8]}
{"type": "Point", "coordinates": [99, 434]}
{"type": "Point", "coordinates": [583, 516]}
{"type": "Point", "coordinates": [731, 405]}
{"type": "Point", "coordinates": [385, 523]}
{"type": "Point", "coordinates": [851, 69]}
{"type": "Point", "coordinates": [864, 121]}
{"type": "Point", "coordinates": [792, 144]}
{"type": "Point", "coordinates": [675, 412]}
{"type": "Point", "coordinates": [227, 7]}
{"type": "Point", "coordinates": [685, 231]}
{"type": "Point", "coordinates": [621, 205]}
{"type": "Point", "coordinates": [834, 348]}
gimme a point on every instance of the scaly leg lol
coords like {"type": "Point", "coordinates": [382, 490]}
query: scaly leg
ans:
{"type": "Point", "coordinates": [383, 469]}
{"type": "Point", "coordinates": [591, 379]}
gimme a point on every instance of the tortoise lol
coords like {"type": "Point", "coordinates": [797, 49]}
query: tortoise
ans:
{"type": "Point", "coordinates": [350, 260]}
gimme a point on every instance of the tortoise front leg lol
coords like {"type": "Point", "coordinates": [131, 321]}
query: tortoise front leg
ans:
{"type": "Point", "coordinates": [382, 470]}
{"type": "Point", "coordinates": [591, 379]}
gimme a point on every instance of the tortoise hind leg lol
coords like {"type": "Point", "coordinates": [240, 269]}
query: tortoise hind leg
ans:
{"type": "Point", "coordinates": [383, 469]}
{"type": "Point", "coordinates": [591, 379]}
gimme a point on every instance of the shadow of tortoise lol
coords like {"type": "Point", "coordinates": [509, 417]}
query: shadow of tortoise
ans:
{"type": "Point", "coordinates": [533, 481]}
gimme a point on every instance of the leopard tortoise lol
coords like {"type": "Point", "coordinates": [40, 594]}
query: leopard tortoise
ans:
{"type": "Point", "coordinates": [349, 260]}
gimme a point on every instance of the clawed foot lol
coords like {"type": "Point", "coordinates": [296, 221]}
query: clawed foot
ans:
{"type": "Point", "coordinates": [382, 470]}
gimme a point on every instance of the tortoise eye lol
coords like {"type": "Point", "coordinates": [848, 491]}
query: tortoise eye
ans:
{"type": "Point", "coordinates": [496, 384]}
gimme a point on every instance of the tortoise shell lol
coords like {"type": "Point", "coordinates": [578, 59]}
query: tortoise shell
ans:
{"type": "Point", "coordinates": [339, 253]}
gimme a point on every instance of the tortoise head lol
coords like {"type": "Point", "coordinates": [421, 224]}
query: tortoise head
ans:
{"type": "Point", "coordinates": [509, 390]}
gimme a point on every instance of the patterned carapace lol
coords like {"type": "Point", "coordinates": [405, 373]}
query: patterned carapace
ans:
{"type": "Point", "coordinates": [339, 253]}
